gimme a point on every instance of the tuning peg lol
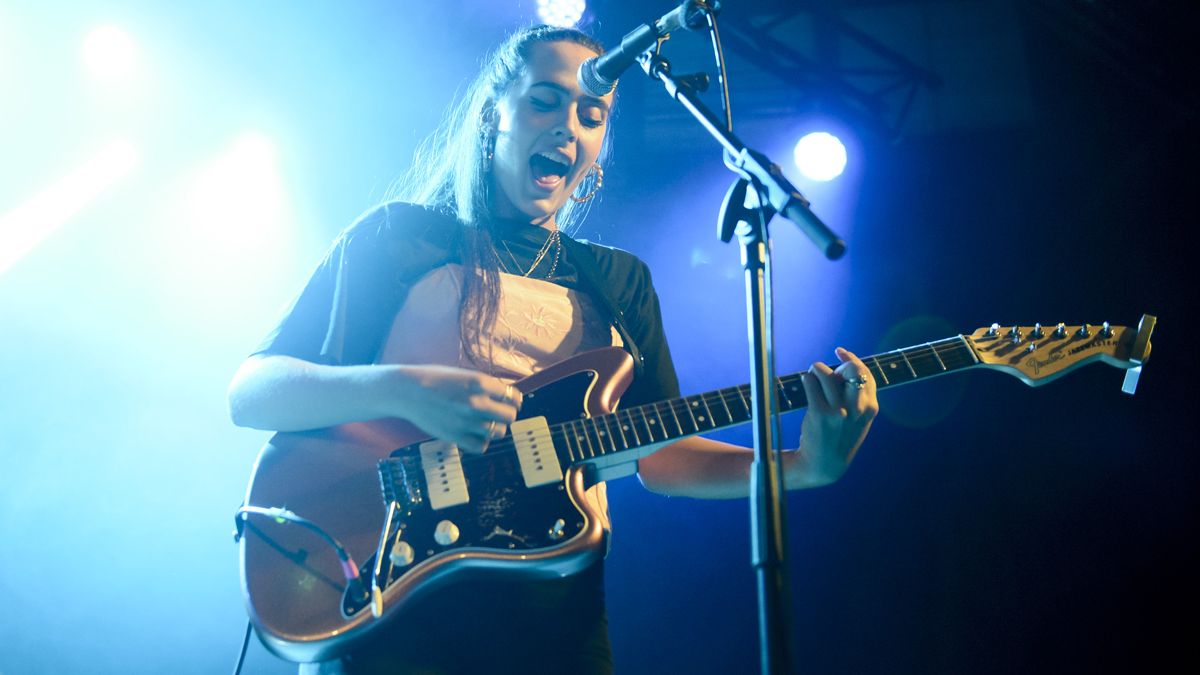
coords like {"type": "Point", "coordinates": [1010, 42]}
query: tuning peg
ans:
{"type": "Point", "coordinates": [1083, 331]}
{"type": "Point", "coordinates": [1037, 333]}
{"type": "Point", "coordinates": [994, 330]}
{"type": "Point", "coordinates": [1106, 331]}
{"type": "Point", "coordinates": [1061, 330]}
{"type": "Point", "coordinates": [1015, 335]}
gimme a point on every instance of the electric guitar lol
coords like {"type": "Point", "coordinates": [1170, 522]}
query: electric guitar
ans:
{"type": "Point", "coordinates": [421, 516]}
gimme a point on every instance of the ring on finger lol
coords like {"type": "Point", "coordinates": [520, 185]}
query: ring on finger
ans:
{"type": "Point", "coordinates": [858, 381]}
{"type": "Point", "coordinates": [508, 393]}
{"type": "Point", "coordinates": [491, 428]}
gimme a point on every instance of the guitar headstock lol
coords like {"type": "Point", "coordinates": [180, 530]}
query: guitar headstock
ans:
{"type": "Point", "coordinates": [1039, 354]}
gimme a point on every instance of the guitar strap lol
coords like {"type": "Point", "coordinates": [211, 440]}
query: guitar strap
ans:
{"type": "Point", "coordinates": [585, 263]}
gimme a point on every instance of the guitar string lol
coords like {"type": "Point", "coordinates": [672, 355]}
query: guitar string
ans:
{"type": "Point", "coordinates": [950, 353]}
{"type": "Point", "coordinates": [953, 352]}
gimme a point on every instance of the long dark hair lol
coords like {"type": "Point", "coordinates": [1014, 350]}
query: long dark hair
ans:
{"type": "Point", "coordinates": [451, 171]}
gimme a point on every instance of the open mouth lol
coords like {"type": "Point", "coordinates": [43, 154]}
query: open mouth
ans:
{"type": "Point", "coordinates": [547, 172]}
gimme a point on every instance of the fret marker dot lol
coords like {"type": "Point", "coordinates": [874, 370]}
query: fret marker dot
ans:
{"type": "Point", "coordinates": [700, 417]}
{"type": "Point", "coordinates": [651, 421]}
{"type": "Point", "coordinates": [625, 427]}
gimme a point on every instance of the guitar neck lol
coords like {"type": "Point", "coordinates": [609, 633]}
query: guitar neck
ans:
{"type": "Point", "coordinates": [627, 430]}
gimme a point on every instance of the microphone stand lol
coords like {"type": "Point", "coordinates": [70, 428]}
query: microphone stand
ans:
{"type": "Point", "coordinates": [746, 212]}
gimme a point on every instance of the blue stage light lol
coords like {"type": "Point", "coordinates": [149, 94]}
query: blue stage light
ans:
{"type": "Point", "coordinates": [564, 13]}
{"type": "Point", "coordinates": [820, 156]}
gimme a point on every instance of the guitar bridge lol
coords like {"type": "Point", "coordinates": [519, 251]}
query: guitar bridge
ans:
{"type": "Point", "coordinates": [396, 484]}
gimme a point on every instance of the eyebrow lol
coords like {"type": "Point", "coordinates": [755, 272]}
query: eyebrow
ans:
{"type": "Point", "coordinates": [567, 92]}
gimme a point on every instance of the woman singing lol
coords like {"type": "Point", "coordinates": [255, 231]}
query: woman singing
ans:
{"type": "Point", "coordinates": [428, 308]}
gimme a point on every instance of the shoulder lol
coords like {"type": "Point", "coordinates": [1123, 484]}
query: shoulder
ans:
{"type": "Point", "coordinates": [401, 222]}
{"type": "Point", "coordinates": [620, 267]}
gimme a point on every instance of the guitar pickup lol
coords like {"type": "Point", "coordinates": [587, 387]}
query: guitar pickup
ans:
{"type": "Point", "coordinates": [445, 483]}
{"type": "Point", "coordinates": [535, 452]}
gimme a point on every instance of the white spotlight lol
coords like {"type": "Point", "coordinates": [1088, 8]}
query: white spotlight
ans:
{"type": "Point", "coordinates": [563, 13]}
{"type": "Point", "coordinates": [820, 156]}
{"type": "Point", "coordinates": [236, 203]}
{"type": "Point", "coordinates": [109, 54]}
{"type": "Point", "coordinates": [24, 227]}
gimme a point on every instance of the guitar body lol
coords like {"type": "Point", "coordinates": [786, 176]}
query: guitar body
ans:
{"type": "Point", "coordinates": [293, 581]}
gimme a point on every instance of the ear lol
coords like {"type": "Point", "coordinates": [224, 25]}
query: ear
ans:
{"type": "Point", "coordinates": [489, 120]}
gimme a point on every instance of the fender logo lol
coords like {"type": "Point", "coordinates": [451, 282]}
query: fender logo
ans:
{"type": "Point", "coordinates": [1038, 364]}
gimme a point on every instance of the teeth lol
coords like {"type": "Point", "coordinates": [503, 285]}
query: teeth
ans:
{"type": "Point", "coordinates": [556, 157]}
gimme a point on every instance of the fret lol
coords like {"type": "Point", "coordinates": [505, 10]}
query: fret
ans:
{"type": "Point", "coordinates": [661, 424]}
{"type": "Point", "coordinates": [783, 394]}
{"type": "Point", "coordinates": [907, 362]}
{"type": "Point", "coordinates": [745, 403]}
{"type": "Point", "coordinates": [649, 423]}
{"type": "Point", "coordinates": [671, 407]}
{"type": "Point", "coordinates": [728, 414]}
{"type": "Point", "coordinates": [688, 407]}
{"type": "Point", "coordinates": [621, 429]}
{"type": "Point", "coordinates": [936, 356]}
{"type": "Point", "coordinates": [593, 434]}
{"type": "Point", "coordinates": [700, 416]}
{"type": "Point", "coordinates": [606, 432]}
{"type": "Point", "coordinates": [882, 375]}
{"type": "Point", "coordinates": [582, 435]}
{"type": "Point", "coordinates": [631, 427]}
{"type": "Point", "coordinates": [795, 384]}
{"type": "Point", "coordinates": [566, 436]}
{"type": "Point", "coordinates": [707, 411]}
{"type": "Point", "coordinates": [735, 415]}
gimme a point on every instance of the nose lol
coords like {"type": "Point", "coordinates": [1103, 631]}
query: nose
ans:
{"type": "Point", "coordinates": [566, 127]}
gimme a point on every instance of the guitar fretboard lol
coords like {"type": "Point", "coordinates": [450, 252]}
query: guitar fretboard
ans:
{"type": "Point", "coordinates": [630, 428]}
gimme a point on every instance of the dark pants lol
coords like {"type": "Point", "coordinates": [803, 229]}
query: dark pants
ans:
{"type": "Point", "coordinates": [556, 626]}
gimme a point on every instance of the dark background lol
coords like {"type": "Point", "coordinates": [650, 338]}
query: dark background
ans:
{"type": "Point", "coordinates": [1043, 171]}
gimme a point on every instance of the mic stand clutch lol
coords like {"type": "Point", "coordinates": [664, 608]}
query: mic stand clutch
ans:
{"type": "Point", "coordinates": [747, 214]}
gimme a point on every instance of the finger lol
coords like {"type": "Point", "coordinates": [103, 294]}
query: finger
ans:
{"type": "Point", "coordinates": [853, 369]}
{"type": "Point", "coordinates": [831, 384]}
{"type": "Point", "coordinates": [486, 409]}
{"type": "Point", "coordinates": [814, 393]}
{"type": "Point", "coordinates": [500, 390]}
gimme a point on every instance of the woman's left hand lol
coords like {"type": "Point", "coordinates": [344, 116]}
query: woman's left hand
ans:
{"type": "Point", "coordinates": [841, 407]}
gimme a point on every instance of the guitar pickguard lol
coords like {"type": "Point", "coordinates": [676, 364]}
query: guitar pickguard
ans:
{"type": "Point", "coordinates": [502, 516]}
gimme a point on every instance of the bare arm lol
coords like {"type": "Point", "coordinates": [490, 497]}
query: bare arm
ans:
{"type": "Point", "coordinates": [838, 418]}
{"type": "Point", "coordinates": [283, 393]}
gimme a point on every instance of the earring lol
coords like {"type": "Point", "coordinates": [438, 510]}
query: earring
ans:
{"type": "Point", "coordinates": [599, 183]}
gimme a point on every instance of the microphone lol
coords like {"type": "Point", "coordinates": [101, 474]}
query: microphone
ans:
{"type": "Point", "coordinates": [598, 75]}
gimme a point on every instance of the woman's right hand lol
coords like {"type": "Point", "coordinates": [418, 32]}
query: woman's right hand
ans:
{"type": "Point", "coordinates": [460, 406]}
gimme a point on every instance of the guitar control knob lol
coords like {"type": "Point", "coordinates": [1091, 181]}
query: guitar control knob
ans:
{"type": "Point", "coordinates": [557, 530]}
{"type": "Point", "coordinates": [445, 533]}
{"type": "Point", "coordinates": [1037, 333]}
{"type": "Point", "coordinates": [1061, 331]}
{"type": "Point", "coordinates": [1106, 331]}
{"type": "Point", "coordinates": [1083, 331]}
{"type": "Point", "coordinates": [402, 554]}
